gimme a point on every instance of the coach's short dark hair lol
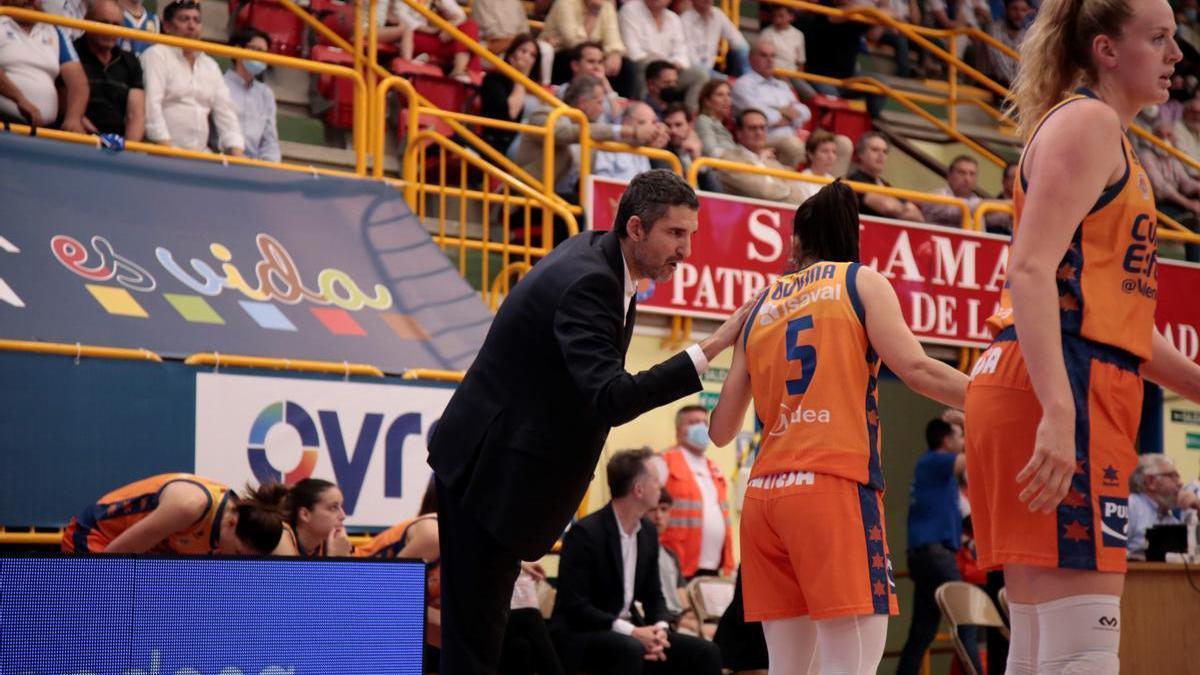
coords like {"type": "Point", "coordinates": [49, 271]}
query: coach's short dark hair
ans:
{"type": "Point", "coordinates": [624, 468]}
{"type": "Point", "coordinates": [649, 196]}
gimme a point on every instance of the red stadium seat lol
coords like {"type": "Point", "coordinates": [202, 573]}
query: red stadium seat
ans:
{"type": "Point", "coordinates": [285, 29]}
{"type": "Point", "coordinates": [339, 90]}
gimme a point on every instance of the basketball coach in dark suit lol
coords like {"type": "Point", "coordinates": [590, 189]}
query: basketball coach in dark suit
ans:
{"type": "Point", "coordinates": [517, 446]}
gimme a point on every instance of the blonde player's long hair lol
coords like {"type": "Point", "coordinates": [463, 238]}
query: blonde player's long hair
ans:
{"type": "Point", "coordinates": [1056, 55]}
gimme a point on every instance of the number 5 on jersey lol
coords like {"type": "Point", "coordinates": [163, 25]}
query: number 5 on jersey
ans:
{"type": "Point", "coordinates": [805, 354]}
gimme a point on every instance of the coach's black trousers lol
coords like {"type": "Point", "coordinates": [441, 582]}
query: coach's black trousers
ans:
{"type": "Point", "coordinates": [478, 573]}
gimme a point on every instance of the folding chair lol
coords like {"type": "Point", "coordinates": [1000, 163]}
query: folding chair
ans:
{"type": "Point", "coordinates": [966, 604]}
{"type": "Point", "coordinates": [709, 596]}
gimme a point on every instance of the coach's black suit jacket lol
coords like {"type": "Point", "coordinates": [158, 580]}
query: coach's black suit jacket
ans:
{"type": "Point", "coordinates": [519, 441]}
{"type": "Point", "coordinates": [591, 576]}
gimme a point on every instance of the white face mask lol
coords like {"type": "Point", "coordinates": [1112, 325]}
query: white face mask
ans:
{"type": "Point", "coordinates": [255, 68]}
{"type": "Point", "coordinates": [697, 436]}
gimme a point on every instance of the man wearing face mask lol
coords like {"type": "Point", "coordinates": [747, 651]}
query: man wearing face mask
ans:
{"type": "Point", "coordinates": [699, 532]}
{"type": "Point", "coordinates": [253, 101]}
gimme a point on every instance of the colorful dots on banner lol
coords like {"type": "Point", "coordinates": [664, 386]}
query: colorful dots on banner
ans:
{"type": "Point", "coordinates": [193, 308]}
{"type": "Point", "coordinates": [196, 309]}
{"type": "Point", "coordinates": [116, 301]}
{"type": "Point", "coordinates": [337, 321]}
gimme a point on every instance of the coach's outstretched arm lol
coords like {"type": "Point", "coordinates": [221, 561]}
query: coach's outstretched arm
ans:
{"type": "Point", "coordinates": [590, 339]}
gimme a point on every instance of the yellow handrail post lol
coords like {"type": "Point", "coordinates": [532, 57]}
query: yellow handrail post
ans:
{"type": "Point", "coordinates": [952, 76]}
{"type": "Point", "coordinates": [376, 123]}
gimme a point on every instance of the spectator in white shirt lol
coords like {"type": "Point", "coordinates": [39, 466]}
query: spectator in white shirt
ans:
{"type": "Point", "coordinates": [761, 90]}
{"type": "Point", "coordinates": [652, 32]}
{"type": "Point", "coordinates": [625, 165]}
{"type": "Point", "coordinates": [1156, 497]}
{"type": "Point", "coordinates": [574, 22]}
{"type": "Point", "coordinates": [184, 86]}
{"type": "Point", "coordinates": [74, 9]}
{"type": "Point", "coordinates": [413, 34]}
{"type": "Point", "coordinates": [32, 56]}
{"type": "Point", "coordinates": [961, 180]}
{"type": "Point", "coordinates": [253, 100]}
{"type": "Point", "coordinates": [704, 30]}
{"type": "Point", "coordinates": [950, 14]}
{"type": "Point", "coordinates": [821, 148]}
{"type": "Point", "coordinates": [789, 46]}
{"type": "Point", "coordinates": [752, 149]}
{"type": "Point", "coordinates": [500, 22]}
{"type": "Point", "coordinates": [1187, 133]}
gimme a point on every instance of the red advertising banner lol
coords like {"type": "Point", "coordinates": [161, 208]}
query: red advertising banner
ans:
{"type": "Point", "coordinates": [948, 280]}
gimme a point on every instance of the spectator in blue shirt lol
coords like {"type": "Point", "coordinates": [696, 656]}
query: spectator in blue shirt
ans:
{"type": "Point", "coordinates": [1156, 497]}
{"type": "Point", "coordinates": [934, 536]}
{"type": "Point", "coordinates": [253, 101]}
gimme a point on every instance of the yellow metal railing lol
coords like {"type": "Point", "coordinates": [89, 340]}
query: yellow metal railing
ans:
{"type": "Point", "coordinates": [217, 360]}
{"type": "Point", "coordinates": [79, 350]}
{"type": "Point", "coordinates": [360, 85]}
{"type": "Point", "coordinates": [498, 201]}
{"type": "Point", "coordinates": [864, 188]}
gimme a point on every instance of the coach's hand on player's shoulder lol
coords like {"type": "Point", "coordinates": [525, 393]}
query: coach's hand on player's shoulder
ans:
{"type": "Point", "coordinates": [1047, 476]}
{"type": "Point", "coordinates": [728, 332]}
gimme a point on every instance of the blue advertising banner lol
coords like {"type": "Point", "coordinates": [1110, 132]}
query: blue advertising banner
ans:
{"type": "Point", "coordinates": [205, 616]}
{"type": "Point", "coordinates": [182, 257]}
{"type": "Point", "coordinates": [75, 431]}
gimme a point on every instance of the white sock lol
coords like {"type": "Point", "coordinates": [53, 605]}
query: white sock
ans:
{"type": "Point", "coordinates": [1079, 635]}
{"type": "Point", "coordinates": [851, 645]}
{"type": "Point", "coordinates": [791, 645]}
{"type": "Point", "coordinates": [1023, 642]}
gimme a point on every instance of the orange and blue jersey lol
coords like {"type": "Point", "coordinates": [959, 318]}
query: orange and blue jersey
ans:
{"type": "Point", "coordinates": [1108, 278]}
{"type": "Point", "coordinates": [94, 529]}
{"type": "Point", "coordinates": [814, 377]}
{"type": "Point", "coordinates": [390, 542]}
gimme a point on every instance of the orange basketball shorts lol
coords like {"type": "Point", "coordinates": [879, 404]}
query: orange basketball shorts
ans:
{"type": "Point", "coordinates": [1088, 529]}
{"type": "Point", "coordinates": [814, 545]}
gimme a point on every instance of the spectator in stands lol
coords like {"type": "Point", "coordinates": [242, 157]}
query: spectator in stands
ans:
{"type": "Point", "coordinates": [585, 92]}
{"type": "Point", "coordinates": [408, 28]}
{"type": "Point", "coordinates": [32, 57]}
{"type": "Point", "coordinates": [662, 86]}
{"type": "Point", "coordinates": [682, 138]}
{"type": "Point", "coordinates": [652, 32]}
{"type": "Point", "coordinates": [753, 149]}
{"type": "Point", "coordinates": [1175, 192]}
{"type": "Point", "coordinates": [184, 87]}
{"type": "Point", "coordinates": [904, 11]}
{"type": "Point", "coordinates": [715, 118]}
{"type": "Point", "coordinates": [1187, 133]}
{"type": "Point", "coordinates": [776, 99]}
{"type": "Point", "coordinates": [821, 148]}
{"type": "Point", "coordinates": [1001, 223]}
{"type": "Point", "coordinates": [669, 574]}
{"type": "Point", "coordinates": [871, 154]}
{"type": "Point", "coordinates": [574, 22]}
{"type": "Point", "coordinates": [596, 622]}
{"type": "Point", "coordinates": [951, 14]}
{"type": "Point", "coordinates": [505, 99]}
{"type": "Point", "coordinates": [116, 100]}
{"type": "Point", "coordinates": [1155, 492]}
{"type": "Point", "coordinates": [699, 532]}
{"type": "Point", "coordinates": [704, 29]}
{"type": "Point", "coordinates": [501, 22]}
{"type": "Point", "coordinates": [73, 9]}
{"type": "Point", "coordinates": [961, 180]}
{"type": "Point", "coordinates": [137, 17]}
{"type": "Point", "coordinates": [253, 101]}
{"type": "Point", "coordinates": [1010, 32]}
{"type": "Point", "coordinates": [832, 46]}
{"type": "Point", "coordinates": [624, 165]}
{"type": "Point", "coordinates": [934, 537]}
{"type": "Point", "coordinates": [789, 46]}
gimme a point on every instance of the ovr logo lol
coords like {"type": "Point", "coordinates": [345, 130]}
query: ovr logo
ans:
{"type": "Point", "coordinates": [349, 470]}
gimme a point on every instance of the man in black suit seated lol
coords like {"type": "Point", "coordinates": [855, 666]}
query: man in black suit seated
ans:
{"type": "Point", "coordinates": [518, 443]}
{"type": "Point", "coordinates": [610, 562]}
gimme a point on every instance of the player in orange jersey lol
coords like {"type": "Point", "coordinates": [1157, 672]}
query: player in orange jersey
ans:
{"type": "Point", "coordinates": [814, 552]}
{"type": "Point", "coordinates": [314, 519]}
{"type": "Point", "coordinates": [174, 513]}
{"type": "Point", "coordinates": [1054, 404]}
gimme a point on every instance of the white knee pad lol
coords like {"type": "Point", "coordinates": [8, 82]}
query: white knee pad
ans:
{"type": "Point", "coordinates": [1023, 642]}
{"type": "Point", "coordinates": [1079, 635]}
